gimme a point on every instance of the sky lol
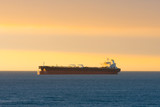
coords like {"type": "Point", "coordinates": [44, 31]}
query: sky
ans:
{"type": "Point", "coordinates": [63, 32]}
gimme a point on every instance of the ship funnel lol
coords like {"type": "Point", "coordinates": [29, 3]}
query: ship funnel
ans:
{"type": "Point", "coordinates": [113, 65]}
{"type": "Point", "coordinates": [112, 61]}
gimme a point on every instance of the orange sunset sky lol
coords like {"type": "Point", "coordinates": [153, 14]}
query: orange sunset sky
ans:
{"type": "Point", "coordinates": [85, 32]}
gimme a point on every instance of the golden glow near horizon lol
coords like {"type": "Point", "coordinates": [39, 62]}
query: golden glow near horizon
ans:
{"type": "Point", "coordinates": [29, 60]}
{"type": "Point", "coordinates": [85, 31]}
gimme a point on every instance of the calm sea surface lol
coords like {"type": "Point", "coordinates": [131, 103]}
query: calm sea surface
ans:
{"type": "Point", "coordinates": [27, 89]}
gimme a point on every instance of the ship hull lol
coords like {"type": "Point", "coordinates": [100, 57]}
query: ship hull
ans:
{"type": "Point", "coordinates": [46, 70]}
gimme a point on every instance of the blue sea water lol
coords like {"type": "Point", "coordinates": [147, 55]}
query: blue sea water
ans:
{"type": "Point", "coordinates": [127, 89]}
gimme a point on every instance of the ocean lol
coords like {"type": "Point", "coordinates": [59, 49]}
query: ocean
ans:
{"type": "Point", "coordinates": [127, 89]}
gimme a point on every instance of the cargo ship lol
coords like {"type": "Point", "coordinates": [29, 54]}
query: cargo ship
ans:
{"type": "Point", "coordinates": [108, 67]}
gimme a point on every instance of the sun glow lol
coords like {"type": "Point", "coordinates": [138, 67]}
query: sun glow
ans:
{"type": "Point", "coordinates": [30, 60]}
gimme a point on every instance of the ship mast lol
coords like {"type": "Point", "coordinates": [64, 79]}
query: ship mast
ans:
{"type": "Point", "coordinates": [43, 63]}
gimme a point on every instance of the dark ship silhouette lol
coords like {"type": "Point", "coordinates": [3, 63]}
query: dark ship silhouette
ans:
{"type": "Point", "coordinates": [108, 67]}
